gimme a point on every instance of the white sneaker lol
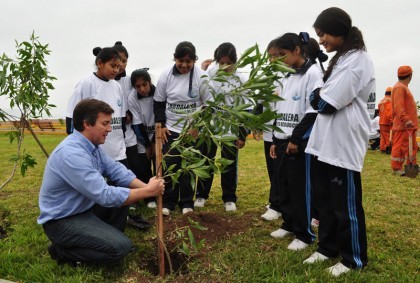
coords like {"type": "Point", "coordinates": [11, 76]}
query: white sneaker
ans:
{"type": "Point", "coordinates": [297, 245]}
{"type": "Point", "coordinates": [271, 214]}
{"type": "Point", "coordinates": [166, 211]}
{"type": "Point", "coordinates": [314, 222]}
{"type": "Point", "coordinates": [152, 204]}
{"type": "Point", "coordinates": [280, 233]}
{"type": "Point", "coordinates": [199, 202]}
{"type": "Point", "coordinates": [399, 172]}
{"type": "Point", "coordinates": [315, 257]}
{"type": "Point", "coordinates": [185, 210]}
{"type": "Point", "coordinates": [230, 206]}
{"type": "Point", "coordinates": [338, 269]}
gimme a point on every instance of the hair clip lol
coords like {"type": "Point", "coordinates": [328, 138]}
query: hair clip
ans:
{"type": "Point", "coordinates": [322, 57]}
{"type": "Point", "coordinates": [304, 37]}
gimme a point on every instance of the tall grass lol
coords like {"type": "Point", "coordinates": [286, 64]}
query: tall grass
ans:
{"type": "Point", "coordinates": [391, 205]}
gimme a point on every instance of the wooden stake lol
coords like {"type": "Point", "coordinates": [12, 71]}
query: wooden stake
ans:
{"type": "Point", "coordinates": [159, 224]}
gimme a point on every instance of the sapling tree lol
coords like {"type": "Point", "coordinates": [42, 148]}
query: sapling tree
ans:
{"type": "Point", "coordinates": [218, 118]}
{"type": "Point", "coordinates": [222, 119]}
{"type": "Point", "coordinates": [25, 82]}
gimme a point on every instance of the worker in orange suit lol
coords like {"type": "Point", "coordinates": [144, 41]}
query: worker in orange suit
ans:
{"type": "Point", "coordinates": [405, 122]}
{"type": "Point", "coordinates": [385, 121]}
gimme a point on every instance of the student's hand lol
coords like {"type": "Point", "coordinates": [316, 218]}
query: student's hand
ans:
{"type": "Point", "coordinates": [292, 148]}
{"type": "Point", "coordinates": [205, 64]}
{"type": "Point", "coordinates": [240, 144]}
{"type": "Point", "coordinates": [128, 119]}
{"type": "Point", "coordinates": [165, 135]}
{"type": "Point", "coordinates": [273, 151]}
{"type": "Point", "coordinates": [257, 135]}
{"type": "Point", "coordinates": [156, 186]}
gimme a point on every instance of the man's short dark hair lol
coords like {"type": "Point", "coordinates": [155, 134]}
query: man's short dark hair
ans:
{"type": "Point", "coordinates": [88, 110]}
{"type": "Point", "coordinates": [401, 78]}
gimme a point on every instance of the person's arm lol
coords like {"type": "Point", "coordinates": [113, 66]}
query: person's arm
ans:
{"type": "Point", "coordinates": [141, 134]}
{"type": "Point", "coordinates": [124, 125]}
{"type": "Point", "coordinates": [159, 100]}
{"type": "Point", "coordinates": [81, 91]}
{"type": "Point", "coordinates": [300, 131]}
{"type": "Point", "coordinates": [103, 193]}
{"type": "Point", "coordinates": [319, 104]}
{"type": "Point", "coordinates": [205, 64]}
{"type": "Point", "coordinates": [141, 190]}
{"type": "Point", "coordinates": [159, 108]}
{"type": "Point", "coordinates": [82, 174]}
{"type": "Point", "coordinates": [388, 112]}
{"type": "Point", "coordinates": [399, 107]}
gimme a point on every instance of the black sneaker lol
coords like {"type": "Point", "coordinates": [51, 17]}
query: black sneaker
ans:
{"type": "Point", "coordinates": [138, 221]}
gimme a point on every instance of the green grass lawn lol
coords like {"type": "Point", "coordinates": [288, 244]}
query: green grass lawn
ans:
{"type": "Point", "coordinates": [391, 205]}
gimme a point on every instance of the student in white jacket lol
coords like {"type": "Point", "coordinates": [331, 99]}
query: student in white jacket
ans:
{"type": "Point", "coordinates": [339, 141]}
{"type": "Point", "coordinates": [296, 118]}
{"type": "Point", "coordinates": [181, 90]}
{"type": "Point", "coordinates": [225, 57]}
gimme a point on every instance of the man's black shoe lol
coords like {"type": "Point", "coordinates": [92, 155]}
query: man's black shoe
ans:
{"type": "Point", "coordinates": [138, 221]}
{"type": "Point", "coordinates": [54, 256]}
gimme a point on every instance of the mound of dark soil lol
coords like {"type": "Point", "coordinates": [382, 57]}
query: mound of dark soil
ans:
{"type": "Point", "coordinates": [218, 227]}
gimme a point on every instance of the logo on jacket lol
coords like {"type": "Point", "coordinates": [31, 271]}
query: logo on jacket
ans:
{"type": "Point", "coordinates": [119, 102]}
{"type": "Point", "coordinates": [192, 94]}
{"type": "Point", "coordinates": [296, 97]}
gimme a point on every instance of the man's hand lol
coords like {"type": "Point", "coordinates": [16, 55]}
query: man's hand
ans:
{"type": "Point", "coordinates": [140, 190]}
{"type": "Point", "coordinates": [156, 186]}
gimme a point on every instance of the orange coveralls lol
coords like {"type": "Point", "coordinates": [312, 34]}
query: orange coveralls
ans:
{"type": "Point", "coordinates": [403, 109]}
{"type": "Point", "coordinates": [385, 122]}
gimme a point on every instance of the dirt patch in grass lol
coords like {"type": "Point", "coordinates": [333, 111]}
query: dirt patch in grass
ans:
{"type": "Point", "coordinates": [4, 222]}
{"type": "Point", "coordinates": [218, 228]}
{"type": "Point", "coordinates": [3, 233]}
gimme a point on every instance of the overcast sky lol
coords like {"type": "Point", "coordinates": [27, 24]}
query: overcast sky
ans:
{"type": "Point", "coordinates": [150, 30]}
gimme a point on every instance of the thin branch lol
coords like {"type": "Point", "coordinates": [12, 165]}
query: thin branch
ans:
{"type": "Point", "coordinates": [22, 129]}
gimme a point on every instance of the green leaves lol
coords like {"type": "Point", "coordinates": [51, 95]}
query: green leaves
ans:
{"type": "Point", "coordinates": [228, 115]}
{"type": "Point", "coordinates": [187, 243]}
{"type": "Point", "coordinates": [25, 160]}
{"type": "Point", "coordinates": [25, 81]}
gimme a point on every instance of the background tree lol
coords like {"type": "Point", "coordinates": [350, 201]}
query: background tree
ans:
{"type": "Point", "coordinates": [25, 82]}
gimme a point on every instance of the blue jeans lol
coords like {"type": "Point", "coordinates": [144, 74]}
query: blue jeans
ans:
{"type": "Point", "coordinates": [86, 238]}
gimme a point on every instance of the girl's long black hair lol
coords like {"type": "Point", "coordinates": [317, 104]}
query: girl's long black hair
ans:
{"type": "Point", "coordinates": [352, 41]}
